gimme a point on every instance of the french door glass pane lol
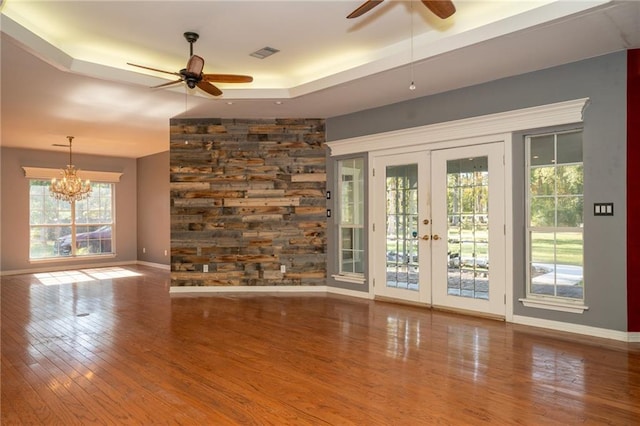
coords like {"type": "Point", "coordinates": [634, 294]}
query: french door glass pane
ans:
{"type": "Point", "coordinates": [402, 226]}
{"type": "Point", "coordinates": [468, 227]}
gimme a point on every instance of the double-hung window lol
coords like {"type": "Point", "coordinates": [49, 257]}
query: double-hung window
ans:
{"type": "Point", "coordinates": [351, 216]}
{"type": "Point", "coordinates": [59, 229]}
{"type": "Point", "coordinates": [555, 218]}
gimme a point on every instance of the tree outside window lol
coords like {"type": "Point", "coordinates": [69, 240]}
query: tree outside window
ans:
{"type": "Point", "coordinates": [555, 216]}
{"type": "Point", "coordinates": [59, 229]}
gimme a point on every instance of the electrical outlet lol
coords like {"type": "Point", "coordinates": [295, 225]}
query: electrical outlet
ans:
{"type": "Point", "coordinates": [283, 269]}
{"type": "Point", "coordinates": [144, 250]}
{"type": "Point", "coordinates": [205, 268]}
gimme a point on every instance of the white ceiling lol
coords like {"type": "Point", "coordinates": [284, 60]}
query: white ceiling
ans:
{"type": "Point", "coordinates": [64, 68]}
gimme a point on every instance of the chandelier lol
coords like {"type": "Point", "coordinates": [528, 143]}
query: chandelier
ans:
{"type": "Point", "coordinates": [70, 187]}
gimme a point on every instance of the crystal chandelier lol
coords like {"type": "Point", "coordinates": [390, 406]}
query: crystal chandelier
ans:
{"type": "Point", "coordinates": [70, 187]}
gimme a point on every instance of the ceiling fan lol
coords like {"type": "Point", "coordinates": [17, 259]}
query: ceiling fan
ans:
{"type": "Point", "coordinates": [192, 74]}
{"type": "Point", "coordinates": [441, 8]}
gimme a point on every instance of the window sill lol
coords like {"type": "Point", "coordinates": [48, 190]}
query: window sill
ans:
{"type": "Point", "coordinates": [349, 278]}
{"type": "Point", "coordinates": [73, 258]}
{"type": "Point", "coordinates": [554, 305]}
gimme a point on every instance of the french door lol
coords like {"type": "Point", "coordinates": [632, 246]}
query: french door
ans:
{"type": "Point", "coordinates": [439, 228]}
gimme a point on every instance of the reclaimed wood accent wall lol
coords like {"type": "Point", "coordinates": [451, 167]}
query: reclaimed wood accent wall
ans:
{"type": "Point", "coordinates": [248, 196]}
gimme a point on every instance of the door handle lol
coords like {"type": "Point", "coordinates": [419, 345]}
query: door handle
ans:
{"type": "Point", "coordinates": [426, 221]}
{"type": "Point", "coordinates": [425, 237]}
{"type": "Point", "coordinates": [435, 237]}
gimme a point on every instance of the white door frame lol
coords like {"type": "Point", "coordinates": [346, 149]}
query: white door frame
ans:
{"type": "Point", "coordinates": [374, 194]}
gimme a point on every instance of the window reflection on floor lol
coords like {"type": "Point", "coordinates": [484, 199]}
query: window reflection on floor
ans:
{"type": "Point", "coordinates": [83, 275]}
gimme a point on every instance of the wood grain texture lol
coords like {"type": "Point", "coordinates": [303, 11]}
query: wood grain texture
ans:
{"type": "Point", "coordinates": [234, 178]}
{"type": "Point", "coordinates": [115, 348]}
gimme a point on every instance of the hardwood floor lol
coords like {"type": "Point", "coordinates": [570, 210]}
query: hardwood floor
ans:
{"type": "Point", "coordinates": [100, 347]}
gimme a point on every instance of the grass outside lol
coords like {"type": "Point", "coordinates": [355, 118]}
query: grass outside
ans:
{"type": "Point", "coordinates": [567, 247]}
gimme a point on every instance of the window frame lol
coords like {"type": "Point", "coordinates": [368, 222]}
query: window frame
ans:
{"type": "Point", "coordinates": [97, 177]}
{"type": "Point", "coordinates": [358, 203]}
{"type": "Point", "coordinates": [543, 301]}
{"type": "Point", "coordinates": [74, 225]}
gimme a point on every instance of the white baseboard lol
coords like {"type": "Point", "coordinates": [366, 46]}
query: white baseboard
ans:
{"type": "Point", "coordinates": [154, 265]}
{"type": "Point", "coordinates": [352, 293]}
{"type": "Point", "coordinates": [51, 268]}
{"type": "Point", "coordinates": [634, 337]}
{"type": "Point", "coordinates": [577, 328]}
{"type": "Point", "coordinates": [174, 290]}
{"type": "Point", "coordinates": [194, 289]}
{"type": "Point", "coordinates": [82, 266]}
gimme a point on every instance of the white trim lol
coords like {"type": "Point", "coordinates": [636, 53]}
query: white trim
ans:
{"type": "Point", "coordinates": [92, 175]}
{"type": "Point", "coordinates": [154, 265]}
{"type": "Point", "coordinates": [554, 305]}
{"type": "Point", "coordinates": [505, 122]}
{"type": "Point", "coordinates": [82, 266]}
{"type": "Point", "coordinates": [508, 225]}
{"type": "Point", "coordinates": [349, 278]}
{"type": "Point", "coordinates": [322, 289]}
{"type": "Point", "coordinates": [633, 337]}
{"type": "Point", "coordinates": [70, 258]}
{"type": "Point", "coordinates": [248, 289]}
{"type": "Point", "coordinates": [577, 328]}
{"type": "Point", "coordinates": [66, 267]}
{"type": "Point", "coordinates": [350, 293]}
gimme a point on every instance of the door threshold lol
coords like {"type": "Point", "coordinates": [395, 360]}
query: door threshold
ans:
{"type": "Point", "coordinates": [400, 301]}
{"type": "Point", "coordinates": [469, 312]}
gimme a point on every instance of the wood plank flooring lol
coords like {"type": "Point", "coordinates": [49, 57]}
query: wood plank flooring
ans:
{"type": "Point", "coordinates": [100, 347]}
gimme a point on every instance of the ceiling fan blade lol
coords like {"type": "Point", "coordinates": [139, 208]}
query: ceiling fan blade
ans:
{"type": "Point", "coordinates": [153, 69]}
{"type": "Point", "coordinates": [364, 8]}
{"type": "Point", "coordinates": [441, 8]}
{"type": "Point", "coordinates": [171, 83]}
{"type": "Point", "coordinates": [227, 78]}
{"type": "Point", "coordinates": [209, 88]}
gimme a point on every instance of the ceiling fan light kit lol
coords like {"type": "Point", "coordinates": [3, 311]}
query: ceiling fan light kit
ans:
{"type": "Point", "coordinates": [192, 74]}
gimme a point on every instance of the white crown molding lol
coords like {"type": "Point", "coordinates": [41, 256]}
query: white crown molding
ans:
{"type": "Point", "coordinates": [560, 113]}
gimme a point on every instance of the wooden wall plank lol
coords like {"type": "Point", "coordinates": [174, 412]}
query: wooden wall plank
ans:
{"type": "Point", "coordinates": [246, 197]}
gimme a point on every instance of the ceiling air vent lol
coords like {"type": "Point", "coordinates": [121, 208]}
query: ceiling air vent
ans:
{"type": "Point", "coordinates": [264, 52]}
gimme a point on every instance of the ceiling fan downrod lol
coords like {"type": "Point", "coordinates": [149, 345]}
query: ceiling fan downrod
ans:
{"type": "Point", "coordinates": [191, 38]}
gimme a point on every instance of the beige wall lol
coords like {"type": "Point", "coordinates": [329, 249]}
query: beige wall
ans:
{"type": "Point", "coordinates": [14, 204]}
{"type": "Point", "coordinates": [153, 209]}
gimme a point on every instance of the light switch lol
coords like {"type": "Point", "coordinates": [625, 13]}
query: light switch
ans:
{"type": "Point", "coordinates": [603, 209]}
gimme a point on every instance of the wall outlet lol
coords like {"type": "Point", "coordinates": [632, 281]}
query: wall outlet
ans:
{"type": "Point", "coordinates": [144, 250]}
{"type": "Point", "coordinates": [283, 269]}
{"type": "Point", "coordinates": [165, 253]}
{"type": "Point", "coordinates": [205, 268]}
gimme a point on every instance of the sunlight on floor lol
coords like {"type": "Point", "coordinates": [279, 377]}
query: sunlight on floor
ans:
{"type": "Point", "coordinates": [84, 275]}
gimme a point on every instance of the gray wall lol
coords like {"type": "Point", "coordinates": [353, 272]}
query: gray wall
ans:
{"type": "Point", "coordinates": [153, 209]}
{"type": "Point", "coordinates": [14, 252]}
{"type": "Point", "coordinates": [603, 80]}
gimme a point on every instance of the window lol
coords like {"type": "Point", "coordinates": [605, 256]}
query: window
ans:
{"type": "Point", "coordinates": [555, 217]}
{"type": "Point", "coordinates": [351, 220]}
{"type": "Point", "coordinates": [59, 229]}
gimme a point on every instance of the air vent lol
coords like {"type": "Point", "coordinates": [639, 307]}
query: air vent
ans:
{"type": "Point", "coordinates": [264, 52]}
